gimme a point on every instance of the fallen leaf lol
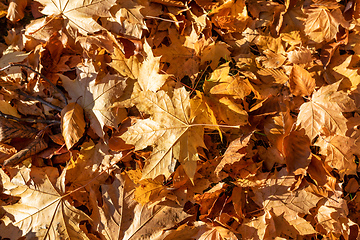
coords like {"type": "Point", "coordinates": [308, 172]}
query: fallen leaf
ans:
{"type": "Point", "coordinates": [301, 82]}
{"type": "Point", "coordinates": [79, 15]}
{"type": "Point", "coordinates": [234, 152]}
{"type": "Point", "coordinates": [36, 146]}
{"type": "Point", "coordinates": [340, 152]}
{"type": "Point", "coordinates": [16, 9]}
{"type": "Point", "coordinates": [149, 78]}
{"type": "Point", "coordinates": [72, 124]}
{"type": "Point", "coordinates": [297, 152]}
{"type": "Point", "coordinates": [324, 110]}
{"type": "Point", "coordinates": [275, 195]}
{"type": "Point", "coordinates": [96, 99]}
{"type": "Point", "coordinates": [214, 52]}
{"type": "Point", "coordinates": [323, 24]}
{"type": "Point", "coordinates": [42, 212]}
{"type": "Point", "coordinates": [177, 143]}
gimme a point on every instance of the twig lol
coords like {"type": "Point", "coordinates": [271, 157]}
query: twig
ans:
{"type": "Point", "coordinates": [164, 19]}
{"type": "Point", "coordinates": [31, 120]}
{"type": "Point", "coordinates": [40, 74]}
{"type": "Point", "coordinates": [39, 99]}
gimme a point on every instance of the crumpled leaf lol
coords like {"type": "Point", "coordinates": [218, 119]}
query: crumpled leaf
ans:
{"type": "Point", "coordinates": [79, 15]}
{"type": "Point", "coordinates": [16, 10]}
{"type": "Point", "coordinates": [340, 152]}
{"type": "Point", "coordinates": [96, 99]}
{"type": "Point", "coordinates": [127, 19]}
{"type": "Point", "coordinates": [72, 124]}
{"type": "Point", "coordinates": [42, 212]}
{"type": "Point", "coordinates": [169, 130]}
{"type": "Point", "coordinates": [276, 196]}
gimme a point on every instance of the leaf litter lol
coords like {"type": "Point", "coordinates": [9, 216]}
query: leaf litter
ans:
{"type": "Point", "coordinates": [179, 119]}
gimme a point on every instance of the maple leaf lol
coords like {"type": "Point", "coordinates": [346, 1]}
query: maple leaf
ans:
{"type": "Point", "coordinates": [179, 53]}
{"type": "Point", "coordinates": [127, 19]}
{"type": "Point", "coordinates": [96, 98]}
{"type": "Point", "coordinates": [42, 212]}
{"type": "Point", "coordinates": [149, 77]}
{"type": "Point", "coordinates": [332, 216]}
{"type": "Point", "coordinates": [123, 218]}
{"type": "Point", "coordinates": [79, 14]}
{"type": "Point", "coordinates": [340, 152]}
{"type": "Point", "coordinates": [275, 196]}
{"type": "Point", "coordinates": [322, 24]}
{"type": "Point", "coordinates": [234, 153]}
{"type": "Point", "coordinates": [345, 67]}
{"type": "Point", "coordinates": [170, 130]}
{"type": "Point", "coordinates": [91, 160]}
{"type": "Point", "coordinates": [231, 85]}
{"type": "Point", "coordinates": [214, 52]}
{"type": "Point", "coordinates": [258, 228]}
{"type": "Point", "coordinates": [324, 110]}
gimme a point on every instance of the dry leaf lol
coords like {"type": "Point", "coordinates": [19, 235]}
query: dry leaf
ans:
{"type": "Point", "coordinates": [42, 212]}
{"type": "Point", "coordinates": [297, 152]}
{"type": "Point", "coordinates": [79, 15]}
{"type": "Point", "coordinates": [324, 110]}
{"type": "Point", "coordinates": [322, 24]}
{"type": "Point", "coordinates": [36, 146]}
{"type": "Point", "coordinates": [171, 144]}
{"type": "Point", "coordinates": [96, 99]}
{"type": "Point", "coordinates": [301, 82]}
{"type": "Point", "coordinates": [72, 124]}
{"type": "Point", "coordinates": [275, 196]}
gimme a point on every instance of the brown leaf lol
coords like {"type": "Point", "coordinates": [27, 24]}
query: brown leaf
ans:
{"type": "Point", "coordinates": [96, 98]}
{"type": "Point", "coordinates": [297, 152]}
{"type": "Point", "coordinates": [340, 152]}
{"type": "Point", "coordinates": [11, 129]}
{"type": "Point", "coordinates": [16, 10]}
{"type": "Point", "coordinates": [234, 152]}
{"type": "Point", "coordinates": [323, 24]}
{"type": "Point", "coordinates": [41, 212]}
{"type": "Point", "coordinates": [301, 82]}
{"type": "Point", "coordinates": [72, 124]}
{"type": "Point", "coordinates": [36, 146]}
{"type": "Point", "coordinates": [275, 196]}
{"type": "Point", "coordinates": [320, 174]}
{"type": "Point", "coordinates": [324, 110]}
{"type": "Point", "coordinates": [214, 52]}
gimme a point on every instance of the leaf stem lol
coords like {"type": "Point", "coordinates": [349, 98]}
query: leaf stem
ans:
{"type": "Point", "coordinates": [213, 125]}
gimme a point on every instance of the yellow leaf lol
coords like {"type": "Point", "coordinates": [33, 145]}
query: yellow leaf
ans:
{"type": "Point", "coordinates": [170, 130]}
{"type": "Point", "coordinates": [79, 15]}
{"type": "Point", "coordinates": [41, 212]}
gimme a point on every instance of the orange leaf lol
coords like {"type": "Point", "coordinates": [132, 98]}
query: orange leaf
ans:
{"type": "Point", "coordinates": [72, 123]}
